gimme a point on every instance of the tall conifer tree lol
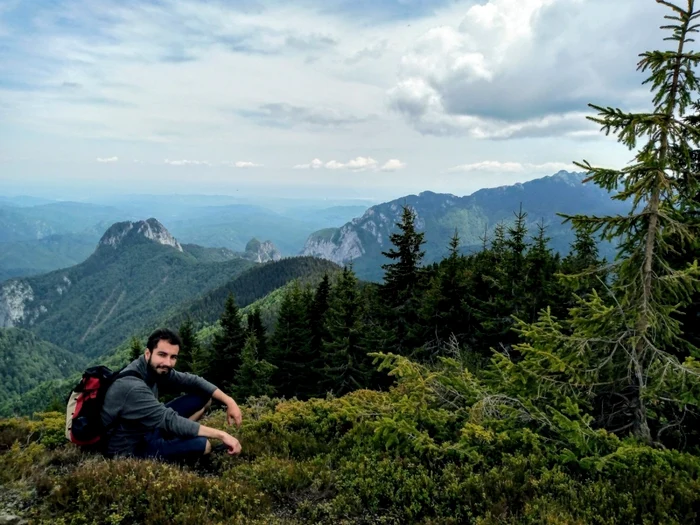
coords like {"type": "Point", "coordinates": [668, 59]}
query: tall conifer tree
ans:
{"type": "Point", "coordinates": [403, 279]}
{"type": "Point", "coordinates": [444, 310]}
{"type": "Point", "coordinates": [619, 349]}
{"type": "Point", "coordinates": [256, 328]}
{"type": "Point", "coordinates": [227, 347]}
{"type": "Point", "coordinates": [188, 348]}
{"type": "Point", "coordinates": [347, 366]}
{"type": "Point", "coordinates": [317, 316]}
{"type": "Point", "coordinates": [290, 346]}
{"type": "Point", "coordinates": [403, 273]}
{"type": "Point", "coordinates": [254, 376]}
{"type": "Point", "coordinates": [136, 348]}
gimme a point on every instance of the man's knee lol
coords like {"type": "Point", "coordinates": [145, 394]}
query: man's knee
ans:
{"type": "Point", "coordinates": [206, 407]}
{"type": "Point", "coordinates": [207, 448]}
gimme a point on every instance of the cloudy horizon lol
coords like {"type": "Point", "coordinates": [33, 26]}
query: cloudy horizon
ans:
{"type": "Point", "coordinates": [370, 100]}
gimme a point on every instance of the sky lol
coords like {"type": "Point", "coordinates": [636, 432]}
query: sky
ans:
{"type": "Point", "coordinates": [369, 99]}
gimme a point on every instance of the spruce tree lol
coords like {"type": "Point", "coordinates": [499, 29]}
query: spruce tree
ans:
{"type": "Point", "coordinates": [515, 269]}
{"type": "Point", "coordinates": [403, 281]}
{"type": "Point", "coordinates": [378, 334]}
{"type": "Point", "coordinates": [584, 264]}
{"type": "Point", "coordinates": [347, 366]}
{"type": "Point", "coordinates": [683, 253]}
{"type": "Point", "coordinates": [188, 347]}
{"type": "Point", "coordinates": [402, 275]}
{"type": "Point", "coordinates": [444, 313]}
{"type": "Point", "coordinates": [227, 346]}
{"type": "Point", "coordinates": [290, 346]}
{"type": "Point", "coordinates": [136, 348]}
{"type": "Point", "coordinates": [488, 288]}
{"type": "Point", "coordinates": [541, 287]}
{"type": "Point", "coordinates": [502, 290]}
{"type": "Point", "coordinates": [618, 350]}
{"type": "Point", "coordinates": [317, 316]}
{"type": "Point", "coordinates": [256, 328]}
{"type": "Point", "coordinates": [517, 235]}
{"type": "Point", "coordinates": [254, 376]}
{"type": "Point", "coordinates": [498, 245]}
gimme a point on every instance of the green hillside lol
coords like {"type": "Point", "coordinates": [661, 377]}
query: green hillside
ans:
{"type": "Point", "coordinates": [32, 257]}
{"type": "Point", "coordinates": [115, 294]}
{"type": "Point", "coordinates": [26, 361]}
{"type": "Point", "coordinates": [127, 284]}
{"type": "Point", "coordinates": [251, 286]}
{"type": "Point", "coordinates": [204, 254]}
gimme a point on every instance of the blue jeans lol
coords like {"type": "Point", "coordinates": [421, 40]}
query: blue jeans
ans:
{"type": "Point", "coordinates": [158, 444]}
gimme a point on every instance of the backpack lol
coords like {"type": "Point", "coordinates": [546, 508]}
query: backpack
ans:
{"type": "Point", "coordinates": [83, 422]}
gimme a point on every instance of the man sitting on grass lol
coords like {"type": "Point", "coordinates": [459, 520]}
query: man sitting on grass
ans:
{"type": "Point", "coordinates": [139, 425]}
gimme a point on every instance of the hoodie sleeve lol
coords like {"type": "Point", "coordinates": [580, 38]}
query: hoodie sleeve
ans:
{"type": "Point", "coordinates": [141, 405]}
{"type": "Point", "coordinates": [190, 383]}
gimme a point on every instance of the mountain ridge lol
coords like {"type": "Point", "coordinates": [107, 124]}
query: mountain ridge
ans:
{"type": "Point", "coordinates": [138, 270]}
{"type": "Point", "coordinates": [438, 215]}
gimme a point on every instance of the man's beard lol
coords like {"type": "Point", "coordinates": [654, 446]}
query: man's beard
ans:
{"type": "Point", "coordinates": [162, 370]}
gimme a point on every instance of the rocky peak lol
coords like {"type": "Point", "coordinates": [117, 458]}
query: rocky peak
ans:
{"type": "Point", "coordinates": [15, 295]}
{"type": "Point", "coordinates": [261, 251]}
{"type": "Point", "coordinates": [571, 178]}
{"type": "Point", "coordinates": [151, 229]}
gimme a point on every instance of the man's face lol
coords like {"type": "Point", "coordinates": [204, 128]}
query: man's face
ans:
{"type": "Point", "coordinates": [163, 358]}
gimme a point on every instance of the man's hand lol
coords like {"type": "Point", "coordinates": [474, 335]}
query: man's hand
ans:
{"type": "Point", "coordinates": [234, 447]}
{"type": "Point", "coordinates": [233, 414]}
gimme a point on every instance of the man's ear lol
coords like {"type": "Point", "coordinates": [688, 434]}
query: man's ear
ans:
{"type": "Point", "coordinates": [147, 354]}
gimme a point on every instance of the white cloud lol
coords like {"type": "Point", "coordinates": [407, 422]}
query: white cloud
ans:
{"type": "Point", "coordinates": [107, 159]}
{"type": "Point", "coordinates": [187, 162]}
{"type": "Point", "coordinates": [334, 165]}
{"type": "Point", "coordinates": [314, 164]}
{"type": "Point", "coordinates": [246, 164]}
{"type": "Point", "coordinates": [515, 68]}
{"type": "Point", "coordinates": [494, 166]}
{"type": "Point", "coordinates": [361, 164]}
{"type": "Point", "coordinates": [393, 165]}
{"type": "Point", "coordinates": [356, 164]}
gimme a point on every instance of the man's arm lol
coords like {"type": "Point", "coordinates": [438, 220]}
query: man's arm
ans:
{"type": "Point", "coordinates": [233, 413]}
{"type": "Point", "coordinates": [234, 447]}
{"type": "Point", "coordinates": [141, 405]}
{"type": "Point", "coordinates": [190, 382]}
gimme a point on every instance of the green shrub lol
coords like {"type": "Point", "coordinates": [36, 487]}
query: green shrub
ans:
{"type": "Point", "coordinates": [288, 482]}
{"type": "Point", "coordinates": [46, 427]}
{"type": "Point", "coordinates": [20, 462]}
{"type": "Point", "coordinates": [148, 492]}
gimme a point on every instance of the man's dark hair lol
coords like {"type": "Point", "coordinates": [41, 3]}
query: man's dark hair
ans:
{"type": "Point", "coordinates": [162, 334]}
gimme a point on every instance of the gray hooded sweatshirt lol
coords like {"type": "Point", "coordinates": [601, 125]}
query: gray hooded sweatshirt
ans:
{"type": "Point", "coordinates": [131, 408]}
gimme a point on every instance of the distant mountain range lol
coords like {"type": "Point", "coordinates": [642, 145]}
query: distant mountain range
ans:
{"type": "Point", "coordinates": [37, 236]}
{"type": "Point", "coordinates": [362, 240]}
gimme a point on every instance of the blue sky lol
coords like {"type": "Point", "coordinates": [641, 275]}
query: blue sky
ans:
{"type": "Point", "coordinates": [368, 98]}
